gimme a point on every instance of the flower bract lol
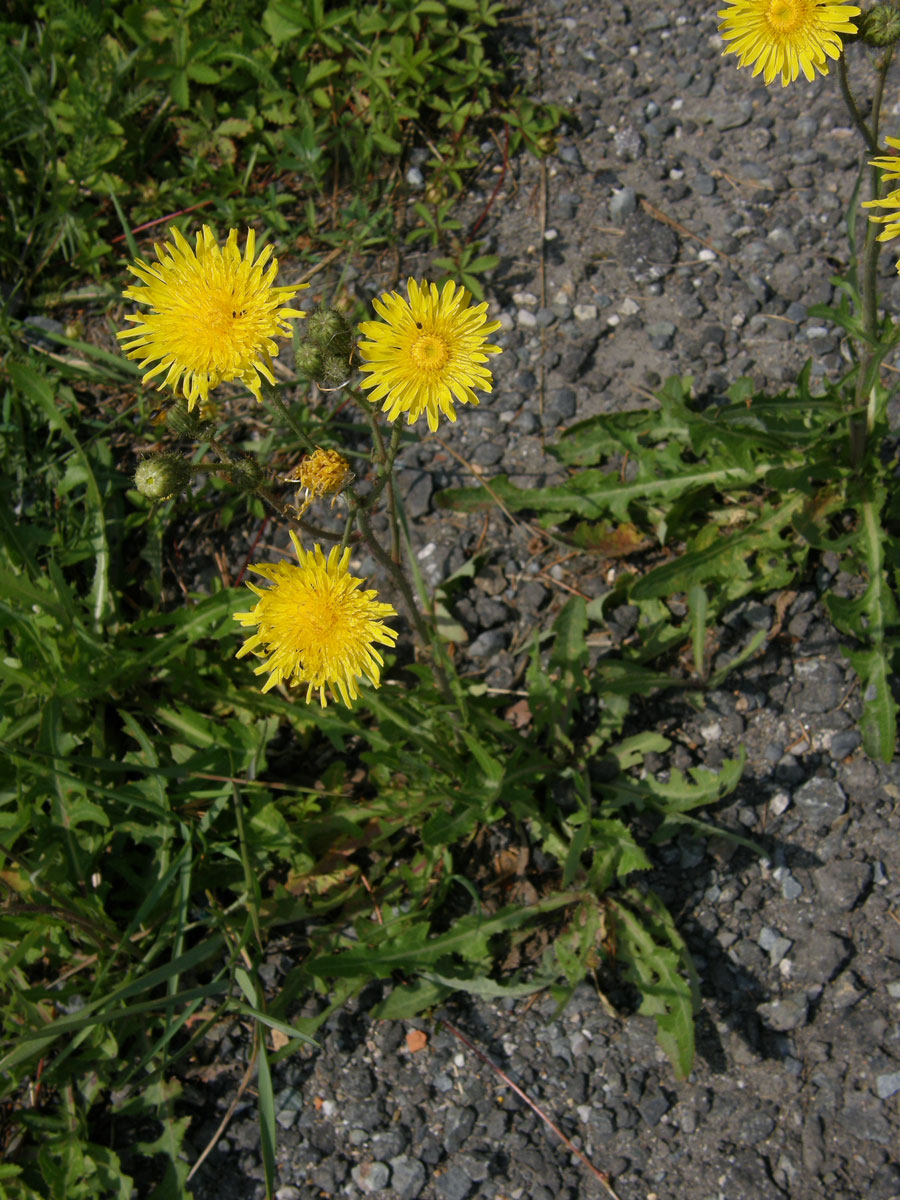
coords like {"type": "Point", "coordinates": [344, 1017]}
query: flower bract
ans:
{"type": "Point", "coordinates": [315, 627]}
{"type": "Point", "coordinates": [213, 314]}
{"type": "Point", "coordinates": [786, 36]}
{"type": "Point", "coordinates": [427, 352]}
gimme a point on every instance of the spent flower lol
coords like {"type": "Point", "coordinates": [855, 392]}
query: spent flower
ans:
{"type": "Point", "coordinates": [427, 351]}
{"type": "Point", "coordinates": [322, 473]}
{"type": "Point", "coordinates": [786, 36]}
{"type": "Point", "coordinates": [315, 627]}
{"type": "Point", "coordinates": [213, 315]}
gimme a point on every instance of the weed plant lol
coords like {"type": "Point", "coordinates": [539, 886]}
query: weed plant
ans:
{"type": "Point", "coordinates": [725, 497]}
{"type": "Point", "coordinates": [154, 860]}
{"type": "Point", "coordinates": [155, 855]}
{"type": "Point", "coordinates": [156, 852]}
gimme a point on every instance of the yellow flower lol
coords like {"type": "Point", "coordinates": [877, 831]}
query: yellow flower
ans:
{"type": "Point", "coordinates": [213, 315]}
{"type": "Point", "coordinates": [314, 627]}
{"type": "Point", "coordinates": [789, 36]}
{"type": "Point", "coordinates": [426, 352]}
{"type": "Point", "coordinates": [890, 165]}
{"type": "Point", "coordinates": [322, 473]}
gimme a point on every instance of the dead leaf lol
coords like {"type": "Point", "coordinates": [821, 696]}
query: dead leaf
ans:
{"type": "Point", "coordinates": [279, 1039]}
{"type": "Point", "coordinates": [416, 1040]}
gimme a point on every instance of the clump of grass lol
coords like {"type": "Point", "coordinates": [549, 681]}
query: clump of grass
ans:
{"type": "Point", "coordinates": [255, 112]}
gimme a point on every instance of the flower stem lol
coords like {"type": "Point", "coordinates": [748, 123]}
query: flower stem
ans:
{"type": "Point", "coordinates": [867, 134]}
{"type": "Point", "coordinates": [250, 880]}
{"type": "Point", "coordinates": [866, 396]}
{"type": "Point", "coordinates": [274, 401]}
{"type": "Point", "coordinates": [398, 578]}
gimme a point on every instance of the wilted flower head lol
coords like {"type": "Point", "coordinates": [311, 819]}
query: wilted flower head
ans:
{"type": "Point", "coordinates": [427, 352]}
{"type": "Point", "coordinates": [315, 628]}
{"type": "Point", "coordinates": [322, 473]}
{"type": "Point", "coordinates": [213, 315]}
{"type": "Point", "coordinates": [786, 36]}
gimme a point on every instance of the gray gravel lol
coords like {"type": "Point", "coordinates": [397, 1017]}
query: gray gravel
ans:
{"type": "Point", "coordinates": [796, 1089]}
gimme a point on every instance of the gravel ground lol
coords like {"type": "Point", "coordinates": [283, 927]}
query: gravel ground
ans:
{"type": "Point", "coordinates": [687, 219]}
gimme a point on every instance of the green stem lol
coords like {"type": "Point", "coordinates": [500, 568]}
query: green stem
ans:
{"type": "Point", "coordinates": [272, 399]}
{"type": "Point", "coordinates": [250, 879]}
{"type": "Point", "coordinates": [398, 578]}
{"type": "Point", "coordinates": [866, 396]}
{"type": "Point", "coordinates": [868, 136]}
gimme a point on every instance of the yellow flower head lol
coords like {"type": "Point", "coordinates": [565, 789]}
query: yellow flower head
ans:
{"type": "Point", "coordinates": [426, 352]}
{"type": "Point", "coordinates": [890, 165]}
{"type": "Point", "coordinates": [787, 36]}
{"type": "Point", "coordinates": [322, 473]}
{"type": "Point", "coordinates": [315, 627]}
{"type": "Point", "coordinates": [213, 315]}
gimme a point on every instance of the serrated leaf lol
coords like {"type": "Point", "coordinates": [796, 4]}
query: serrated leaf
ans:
{"type": "Point", "coordinates": [656, 970]}
{"type": "Point", "coordinates": [723, 556]}
{"type": "Point", "coordinates": [878, 724]}
{"type": "Point", "coordinates": [409, 999]}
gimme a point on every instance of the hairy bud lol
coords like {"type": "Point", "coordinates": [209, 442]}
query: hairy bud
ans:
{"type": "Point", "coordinates": [162, 476]}
{"type": "Point", "coordinates": [184, 422]}
{"type": "Point", "coordinates": [880, 26]}
{"type": "Point", "coordinates": [247, 474]}
{"type": "Point", "coordinates": [330, 331]}
{"type": "Point", "coordinates": [326, 354]}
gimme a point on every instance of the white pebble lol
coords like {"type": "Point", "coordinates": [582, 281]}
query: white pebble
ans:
{"type": "Point", "coordinates": [585, 312]}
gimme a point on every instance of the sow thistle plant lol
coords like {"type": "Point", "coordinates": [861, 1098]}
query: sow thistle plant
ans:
{"type": "Point", "coordinates": [443, 766]}
{"type": "Point", "coordinates": [743, 490]}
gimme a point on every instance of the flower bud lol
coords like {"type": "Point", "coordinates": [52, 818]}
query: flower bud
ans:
{"type": "Point", "coordinates": [326, 354]}
{"type": "Point", "coordinates": [335, 371]}
{"type": "Point", "coordinates": [184, 422]}
{"type": "Point", "coordinates": [247, 474]}
{"type": "Point", "coordinates": [880, 26]}
{"type": "Point", "coordinates": [331, 332]}
{"type": "Point", "coordinates": [308, 360]}
{"type": "Point", "coordinates": [161, 476]}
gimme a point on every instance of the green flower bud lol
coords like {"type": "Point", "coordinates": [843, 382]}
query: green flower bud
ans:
{"type": "Point", "coordinates": [183, 422]}
{"type": "Point", "coordinates": [161, 476]}
{"type": "Point", "coordinates": [880, 26]}
{"type": "Point", "coordinates": [335, 371]}
{"type": "Point", "coordinates": [247, 474]}
{"type": "Point", "coordinates": [331, 332]}
{"type": "Point", "coordinates": [308, 360]}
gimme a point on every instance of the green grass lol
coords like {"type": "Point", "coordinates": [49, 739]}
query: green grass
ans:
{"type": "Point", "coordinates": [293, 115]}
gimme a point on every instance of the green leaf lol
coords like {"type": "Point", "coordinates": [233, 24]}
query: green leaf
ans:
{"type": "Point", "coordinates": [268, 1136]}
{"type": "Point", "coordinates": [878, 725]}
{"type": "Point", "coordinates": [656, 962]}
{"type": "Point", "coordinates": [409, 999]}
